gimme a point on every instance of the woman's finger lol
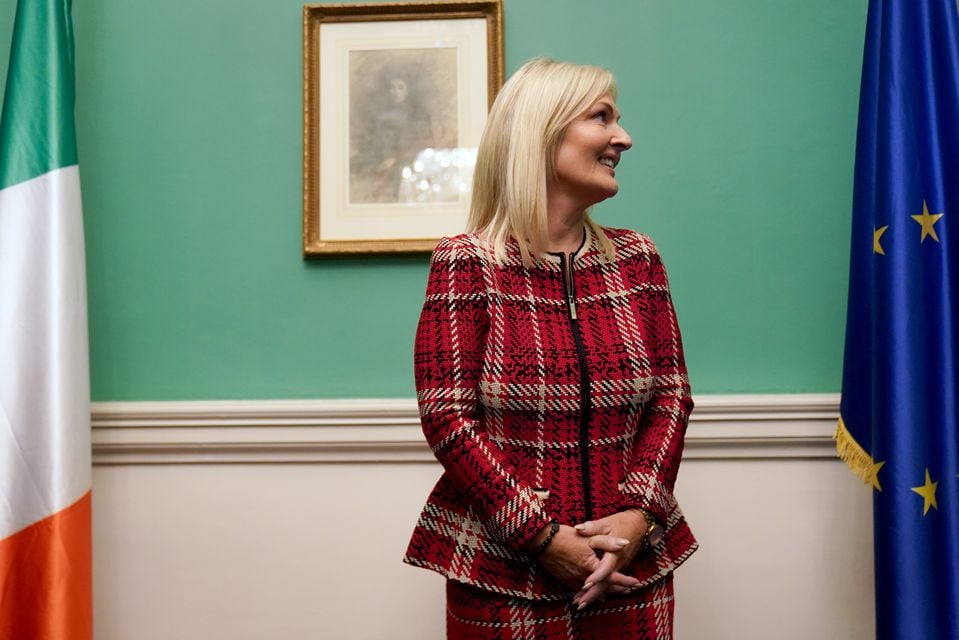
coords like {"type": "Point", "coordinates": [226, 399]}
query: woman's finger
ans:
{"type": "Point", "coordinates": [607, 543]}
{"type": "Point", "coordinates": [605, 568]}
{"type": "Point", "coordinates": [617, 579]}
{"type": "Point", "coordinates": [590, 528]}
{"type": "Point", "coordinates": [615, 589]}
{"type": "Point", "coordinates": [591, 595]}
{"type": "Point", "coordinates": [616, 584]}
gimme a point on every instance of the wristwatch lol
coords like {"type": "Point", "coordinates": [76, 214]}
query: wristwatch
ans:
{"type": "Point", "coordinates": [654, 532]}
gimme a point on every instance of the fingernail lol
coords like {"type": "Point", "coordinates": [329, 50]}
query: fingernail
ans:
{"type": "Point", "coordinates": [581, 606]}
{"type": "Point", "coordinates": [587, 586]}
{"type": "Point", "coordinates": [579, 527]}
{"type": "Point", "coordinates": [622, 542]}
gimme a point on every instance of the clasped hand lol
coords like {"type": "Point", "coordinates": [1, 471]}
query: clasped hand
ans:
{"type": "Point", "coordinates": [589, 556]}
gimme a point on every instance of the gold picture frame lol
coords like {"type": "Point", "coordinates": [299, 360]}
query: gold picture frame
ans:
{"type": "Point", "coordinates": [395, 97]}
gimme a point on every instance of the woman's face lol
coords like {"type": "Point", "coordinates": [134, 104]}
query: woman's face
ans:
{"type": "Point", "coordinates": [398, 90]}
{"type": "Point", "coordinates": [589, 152]}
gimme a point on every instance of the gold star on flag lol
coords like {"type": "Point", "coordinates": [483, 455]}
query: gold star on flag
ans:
{"type": "Point", "coordinates": [928, 493]}
{"type": "Point", "coordinates": [874, 475]}
{"type": "Point", "coordinates": [876, 234]}
{"type": "Point", "coordinates": [926, 221]}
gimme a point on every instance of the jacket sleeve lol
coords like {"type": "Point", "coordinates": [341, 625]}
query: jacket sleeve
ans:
{"type": "Point", "coordinates": [658, 444]}
{"type": "Point", "coordinates": [448, 352]}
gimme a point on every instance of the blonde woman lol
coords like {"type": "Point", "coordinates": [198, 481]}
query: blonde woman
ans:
{"type": "Point", "coordinates": [552, 385]}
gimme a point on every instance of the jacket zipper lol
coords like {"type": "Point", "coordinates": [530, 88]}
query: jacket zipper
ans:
{"type": "Point", "coordinates": [569, 288]}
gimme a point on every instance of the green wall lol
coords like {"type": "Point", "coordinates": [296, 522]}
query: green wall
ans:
{"type": "Point", "coordinates": [743, 114]}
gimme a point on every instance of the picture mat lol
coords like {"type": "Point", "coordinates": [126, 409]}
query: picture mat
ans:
{"type": "Point", "coordinates": [342, 220]}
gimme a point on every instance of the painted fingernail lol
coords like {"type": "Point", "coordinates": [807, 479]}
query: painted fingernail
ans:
{"type": "Point", "coordinates": [587, 586]}
{"type": "Point", "coordinates": [581, 606]}
{"type": "Point", "coordinates": [579, 527]}
{"type": "Point", "coordinates": [622, 542]}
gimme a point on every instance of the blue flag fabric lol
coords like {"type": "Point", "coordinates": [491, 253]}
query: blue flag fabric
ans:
{"type": "Point", "coordinates": [898, 427]}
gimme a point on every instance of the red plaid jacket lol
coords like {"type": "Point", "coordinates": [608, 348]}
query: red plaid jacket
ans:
{"type": "Point", "coordinates": [557, 391]}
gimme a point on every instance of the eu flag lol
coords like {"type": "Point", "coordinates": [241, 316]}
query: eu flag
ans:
{"type": "Point", "coordinates": [898, 426]}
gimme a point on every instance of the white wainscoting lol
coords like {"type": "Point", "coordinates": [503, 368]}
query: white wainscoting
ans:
{"type": "Point", "coordinates": [288, 519]}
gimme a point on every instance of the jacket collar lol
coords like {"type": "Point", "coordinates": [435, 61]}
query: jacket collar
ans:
{"type": "Point", "coordinates": [585, 245]}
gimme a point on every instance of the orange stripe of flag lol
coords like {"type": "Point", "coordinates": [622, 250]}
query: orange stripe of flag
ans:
{"type": "Point", "coordinates": [46, 578]}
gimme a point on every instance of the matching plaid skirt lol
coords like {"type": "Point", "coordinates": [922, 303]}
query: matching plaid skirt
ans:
{"type": "Point", "coordinates": [474, 614]}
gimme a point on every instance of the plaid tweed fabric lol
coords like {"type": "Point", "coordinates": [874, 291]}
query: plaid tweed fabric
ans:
{"type": "Point", "coordinates": [473, 614]}
{"type": "Point", "coordinates": [535, 415]}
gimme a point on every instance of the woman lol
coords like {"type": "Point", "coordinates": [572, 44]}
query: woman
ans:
{"type": "Point", "coordinates": [551, 385]}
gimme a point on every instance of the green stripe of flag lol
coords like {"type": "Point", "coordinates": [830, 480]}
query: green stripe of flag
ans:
{"type": "Point", "coordinates": [37, 131]}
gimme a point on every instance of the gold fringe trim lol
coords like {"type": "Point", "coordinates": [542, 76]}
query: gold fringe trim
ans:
{"type": "Point", "coordinates": [852, 453]}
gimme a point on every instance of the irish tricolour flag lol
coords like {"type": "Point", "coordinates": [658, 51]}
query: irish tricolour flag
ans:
{"type": "Point", "coordinates": [45, 471]}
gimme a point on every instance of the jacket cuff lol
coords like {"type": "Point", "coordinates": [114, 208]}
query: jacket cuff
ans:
{"type": "Point", "coordinates": [644, 491]}
{"type": "Point", "coordinates": [519, 520]}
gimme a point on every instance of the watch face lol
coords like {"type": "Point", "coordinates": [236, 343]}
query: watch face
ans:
{"type": "Point", "coordinates": [655, 536]}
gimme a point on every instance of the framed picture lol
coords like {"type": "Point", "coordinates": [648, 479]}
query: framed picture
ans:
{"type": "Point", "coordinates": [395, 97]}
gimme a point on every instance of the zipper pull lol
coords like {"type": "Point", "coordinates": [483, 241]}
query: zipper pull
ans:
{"type": "Point", "coordinates": [572, 289]}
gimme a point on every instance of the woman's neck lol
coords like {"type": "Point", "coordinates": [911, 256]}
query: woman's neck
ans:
{"type": "Point", "coordinates": [565, 231]}
{"type": "Point", "coordinates": [566, 221]}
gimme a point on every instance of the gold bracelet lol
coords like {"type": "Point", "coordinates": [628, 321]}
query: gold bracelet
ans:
{"type": "Point", "coordinates": [654, 532]}
{"type": "Point", "coordinates": [646, 516]}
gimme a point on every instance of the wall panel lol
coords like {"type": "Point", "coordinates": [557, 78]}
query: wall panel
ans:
{"type": "Point", "coordinates": [288, 520]}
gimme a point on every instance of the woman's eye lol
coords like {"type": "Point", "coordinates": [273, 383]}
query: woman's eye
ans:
{"type": "Point", "coordinates": [601, 116]}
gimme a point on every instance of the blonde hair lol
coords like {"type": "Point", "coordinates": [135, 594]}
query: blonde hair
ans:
{"type": "Point", "coordinates": [516, 157]}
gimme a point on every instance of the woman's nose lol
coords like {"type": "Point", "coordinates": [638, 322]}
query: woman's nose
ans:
{"type": "Point", "coordinates": [621, 138]}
